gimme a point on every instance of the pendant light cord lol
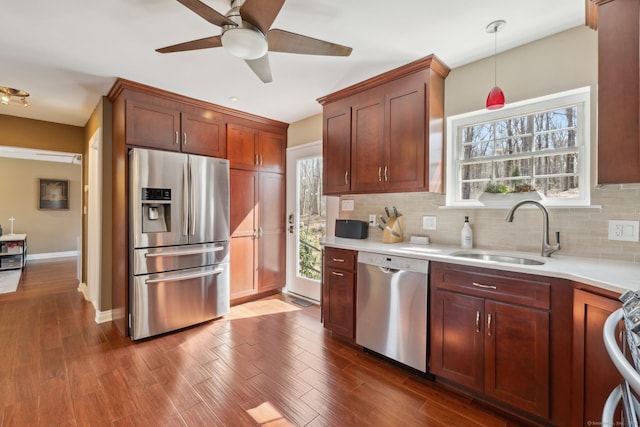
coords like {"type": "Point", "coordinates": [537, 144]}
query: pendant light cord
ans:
{"type": "Point", "coordinates": [495, 56]}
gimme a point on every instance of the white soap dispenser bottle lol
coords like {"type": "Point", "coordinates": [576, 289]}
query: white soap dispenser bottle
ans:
{"type": "Point", "coordinates": [466, 235]}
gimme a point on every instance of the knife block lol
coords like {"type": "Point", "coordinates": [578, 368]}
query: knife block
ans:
{"type": "Point", "coordinates": [394, 225]}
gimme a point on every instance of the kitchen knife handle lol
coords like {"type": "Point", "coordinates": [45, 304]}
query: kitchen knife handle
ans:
{"type": "Point", "coordinates": [386, 210]}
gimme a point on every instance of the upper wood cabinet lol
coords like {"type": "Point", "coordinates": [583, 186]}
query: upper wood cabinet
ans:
{"type": "Point", "coordinates": [160, 123]}
{"type": "Point", "coordinates": [386, 133]}
{"type": "Point", "coordinates": [618, 23]}
{"type": "Point", "coordinates": [255, 149]}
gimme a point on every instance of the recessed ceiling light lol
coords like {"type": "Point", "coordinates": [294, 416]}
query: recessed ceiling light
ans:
{"type": "Point", "coordinates": [234, 99]}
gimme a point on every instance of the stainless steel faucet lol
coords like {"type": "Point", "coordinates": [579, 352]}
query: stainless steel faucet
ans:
{"type": "Point", "coordinates": [547, 248]}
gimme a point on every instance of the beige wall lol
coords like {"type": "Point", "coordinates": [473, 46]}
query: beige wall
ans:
{"type": "Point", "coordinates": [37, 134]}
{"type": "Point", "coordinates": [47, 230]}
{"type": "Point", "coordinates": [304, 131]}
{"type": "Point", "coordinates": [561, 62]}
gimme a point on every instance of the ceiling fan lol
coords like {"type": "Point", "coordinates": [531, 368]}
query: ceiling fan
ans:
{"type": "Point", "coordinates": [246, 34]}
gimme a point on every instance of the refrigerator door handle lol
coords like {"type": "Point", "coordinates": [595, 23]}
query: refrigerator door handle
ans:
{"type": "Point", "coordinates": [179, 253]}
{"type": "Point", "coordinates": [192, 199]}
{"type": "Point", "coordinates": [184, 277]}
{"type": "Point", "coordinates": [185, 200]}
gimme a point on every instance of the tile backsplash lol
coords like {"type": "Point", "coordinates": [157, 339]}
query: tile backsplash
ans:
{"type": "Point", "coordinates": [583, 231]}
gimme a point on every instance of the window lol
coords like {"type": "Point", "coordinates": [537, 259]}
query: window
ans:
{"type": "Point", "coordinates": [540, 144]}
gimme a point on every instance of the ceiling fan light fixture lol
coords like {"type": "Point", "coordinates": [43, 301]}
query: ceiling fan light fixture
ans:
{"type": "Point", "coordinates": [9, 95]}
{"type": "Point", "coordinates": [245, 43]}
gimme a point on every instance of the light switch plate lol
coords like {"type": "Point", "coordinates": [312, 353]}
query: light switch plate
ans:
{"type": "Point", "coordinates": [428, 222]}
{"type": "Point", "coordinates": [628, 231]}
{"type": "Point", "coordinates": [348, 204]}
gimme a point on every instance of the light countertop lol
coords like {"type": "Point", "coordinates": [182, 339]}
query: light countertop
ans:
{"type": "Point", "coordinates": [615, 276]}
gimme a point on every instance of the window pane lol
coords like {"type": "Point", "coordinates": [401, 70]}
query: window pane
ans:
{"type": "Point", "coordinates": [557, 119]}
{"type": "Point", "coordinates": [513, 127]}
{"type": "Point", "coordinates": [558, 164]}
{"type": "Point", "coordinates": [513, 168]}
{"type": "Point", "coordinates": [471, 190]}
{"type": "Point", "coordinates": [476, 171]}
{"type": "Point", "coordinates": [558, 186]}
{"type": "Point", "coordinates": [476, 133]}
{"type": "Point", "coordinates": [513, 146]}
{"type": "Point", "coordinates": [479, 149]}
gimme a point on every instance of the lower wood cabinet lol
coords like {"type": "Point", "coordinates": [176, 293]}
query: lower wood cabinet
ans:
{"type": "Point", "coordinates": [257, 234]}
{"type": "Point", "coordinates": [490, 334]}
{"type": "Point", "coordinates": [339, 292]}
{"type": "Point", "coordinates": [594, 375]}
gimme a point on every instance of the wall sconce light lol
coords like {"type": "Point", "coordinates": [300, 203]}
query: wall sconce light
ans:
{"type": "Point", "coordinates": [495, 100]}
{"type": "Point", "coordinates": [10, 95]}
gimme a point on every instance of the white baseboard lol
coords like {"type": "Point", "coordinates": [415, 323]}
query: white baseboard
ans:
{"type": "Point", "coordinates": [47, 255]}
{"type": "Point", "coordinates": [101, 316]}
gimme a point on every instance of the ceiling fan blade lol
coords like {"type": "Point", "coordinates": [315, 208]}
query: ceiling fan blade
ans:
{"type": "Point", "coordinates": [207, 13]}
{"type": "Point", "coordinates": [205, 43]}
{"type": "Point", "coordinates": [261, 13]}
{"type": "Point", "coordinates": [261, 67]}
{"type": "Point", "coordinates": [284, 41]}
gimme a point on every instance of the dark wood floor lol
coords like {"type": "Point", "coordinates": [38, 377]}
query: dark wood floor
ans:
{"type": "Point", "coordinates": [268, 363]}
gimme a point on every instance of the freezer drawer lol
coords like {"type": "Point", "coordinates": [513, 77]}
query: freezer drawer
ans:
{"type": "Point", "coordinates": [168, 301]}
{"type": "Point", "coordinates": [169, 258]}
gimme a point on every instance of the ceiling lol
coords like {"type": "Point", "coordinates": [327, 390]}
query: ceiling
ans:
{"type": "Point", "coordinates": [68, 54]}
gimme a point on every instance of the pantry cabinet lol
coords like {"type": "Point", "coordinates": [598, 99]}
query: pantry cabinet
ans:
{"type": "Point", "coordinates": [339, 292]}
{"type": "Point", "coordinates": [386, 134]}
{"type": "Point", "coordinates": [618, 23]}
{"type": "Point", "coordinates": [257, 233]}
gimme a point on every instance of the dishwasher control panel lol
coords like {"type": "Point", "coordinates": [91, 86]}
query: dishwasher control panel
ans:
{"type": "Point", "coordinates": [394, 262]}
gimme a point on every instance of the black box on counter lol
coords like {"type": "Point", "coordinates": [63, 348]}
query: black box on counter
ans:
{"type": "Point", "coordinates": [352, 228]}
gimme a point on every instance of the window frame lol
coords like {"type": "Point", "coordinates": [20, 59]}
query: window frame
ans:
{"type": "Point", "coordinates": [581, 97]}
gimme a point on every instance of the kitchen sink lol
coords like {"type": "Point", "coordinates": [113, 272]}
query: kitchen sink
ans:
{"type": "Point", "coordinates": [487, 256]}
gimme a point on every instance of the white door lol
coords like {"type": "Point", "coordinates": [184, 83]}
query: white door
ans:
{"type": "Point", "coordinates": [306, 216]}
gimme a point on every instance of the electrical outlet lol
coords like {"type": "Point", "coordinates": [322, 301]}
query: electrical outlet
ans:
{"type": "Point", "coordinates": [628, 231]}
{"type": "Point", "coordinates": [372, 220]}
{"type": "Point", "coordinates": [428, 222]}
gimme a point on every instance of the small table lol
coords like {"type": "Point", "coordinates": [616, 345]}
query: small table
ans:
{"type": "Point", "coordinates": [13, 251]}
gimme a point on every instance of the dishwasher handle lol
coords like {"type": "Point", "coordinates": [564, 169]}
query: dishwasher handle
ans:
{"type": "Point", "coordinates": [388, 270]}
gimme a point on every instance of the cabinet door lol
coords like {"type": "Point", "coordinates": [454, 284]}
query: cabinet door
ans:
{"type": "Point", "coordinates": [618, 92]}
{"type": "Point", "coordinates": [517, 356]}
{"type": "Point", "coordinates": [594, 375]}
{"type": "Point", "coordinates": [367, 143]}
{"type": "Point", "coordinates": [271, 152]}
{"type": "Point", "coordinates": [244, 223]}
{"type": "Point", "coordinates": [241, 146]}
{"type": "Point", "coordinates": [339, 295]}
{"type": "Point", "coordinates": [405, 134]}
{"type": "Point", "coordinates": [152, 125]}
{"type": "Point", "coordinates": [457, 336]}
{"type": "Point", "coordinates": [271, 231]}
{"type": "Point", "coordinates": [204, 133]}
{"type": "Point", "coordinates": [336, 150]}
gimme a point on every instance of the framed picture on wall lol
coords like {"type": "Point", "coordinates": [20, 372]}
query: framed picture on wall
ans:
{"type": "Point", "coordinates": [54, 194]}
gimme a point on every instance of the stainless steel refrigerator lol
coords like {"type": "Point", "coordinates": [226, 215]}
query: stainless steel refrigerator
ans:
{"type": "Point", "coordinates": [179, 238]}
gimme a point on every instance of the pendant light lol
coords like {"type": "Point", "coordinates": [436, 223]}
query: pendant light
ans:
{"type": "Point", "coordinates": [495, 100]}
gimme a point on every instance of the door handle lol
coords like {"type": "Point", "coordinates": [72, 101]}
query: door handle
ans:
{"type": "Point", "coordinates": [192, 198]}
{"type": "Point", "coordinates": [489, 319]}
{"type": "Point", "coordinates": [184, 138]}
{"type": "Point", "coordinates": [379, 173]}
{"type": "Point", "coordinates": [386, 176]}
{"type": "Point", "coordinates": [177, 141]}
{"type": "Point", "coordinates": [480, 285]}
{"type": "Point", "coordinates": [477, 321]}
{"type": "Point", "coordinates": [185, 276]}
{"type": "Point", "coordinates": [346, 178]}
{"type": "Point", "coordinates": [336, 273]}
{"type": "Point", "coordinates": [182, 253]}
{"type": "Point", "coordinates": [185, 200]}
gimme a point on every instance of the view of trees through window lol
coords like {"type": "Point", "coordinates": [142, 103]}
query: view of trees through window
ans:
{"type": "Point", "coordinates": [312, 213]}
{"type": "Point", "coordinates": [533, 151]}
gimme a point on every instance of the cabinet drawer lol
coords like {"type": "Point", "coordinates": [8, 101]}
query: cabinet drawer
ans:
{"type": "Point", "coordinates": [340, 258]}
{"type": "Point", "coordinates": [517, 288]}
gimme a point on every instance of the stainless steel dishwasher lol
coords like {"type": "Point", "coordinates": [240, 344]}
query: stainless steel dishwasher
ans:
{"type": "Point", "coordinates": [391, 309]}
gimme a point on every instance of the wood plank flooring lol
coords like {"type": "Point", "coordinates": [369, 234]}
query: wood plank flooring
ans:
{"type": "Point", "coordinates": [269, 363]}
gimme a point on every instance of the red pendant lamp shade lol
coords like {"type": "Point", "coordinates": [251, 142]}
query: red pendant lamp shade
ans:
{"type": "Point", "coordinates": [495, 99]}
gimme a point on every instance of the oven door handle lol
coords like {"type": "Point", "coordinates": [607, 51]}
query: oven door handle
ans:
{"type": "Point", "coordinates": [184, 277]}
{"type": "Point", "coordinates": [179, 253]}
